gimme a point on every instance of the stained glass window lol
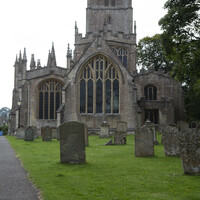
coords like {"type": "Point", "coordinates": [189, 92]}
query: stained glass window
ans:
{"type": "Point", "coordinates": [99, 87]}
{"type": "Point", "coordinates": [50, 97]}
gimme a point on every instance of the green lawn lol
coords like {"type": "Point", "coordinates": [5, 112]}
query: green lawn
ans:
{"type": "Point", "coordinates": [111, 173]}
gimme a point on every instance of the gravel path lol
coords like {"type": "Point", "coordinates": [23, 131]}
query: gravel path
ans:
{"type": "Point", "coordinates": [14, 184]}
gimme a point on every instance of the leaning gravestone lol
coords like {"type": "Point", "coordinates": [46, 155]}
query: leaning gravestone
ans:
{"type": "Point", "coordinates": [170, 141]}
{"type": "Point", "coordinates": [46, 134]}
{"type": "Point", "coordinates": [104, 130]}
{"type": "Point", "coordinates": [144, 142]}
{"type": "Point", "coordinates": [72, 143]}
{"type": "Point", "coordinates": [20, 133]}
{"type": "Point", "coordinates": [120, 133]}
{"type": "Point", "coordinates": [189, 144]}
{"type": "Point", "coordinates": [29, 134]}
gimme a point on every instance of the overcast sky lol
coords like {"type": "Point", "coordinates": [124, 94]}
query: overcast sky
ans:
{"type": "Point", "coordinates": [35, 24]}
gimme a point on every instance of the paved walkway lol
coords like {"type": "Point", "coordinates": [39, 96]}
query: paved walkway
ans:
{"type": "Point", "coordinates": [14, 184]}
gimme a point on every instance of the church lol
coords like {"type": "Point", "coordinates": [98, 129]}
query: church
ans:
{"type": "Point", "coordinates": [100, 82]}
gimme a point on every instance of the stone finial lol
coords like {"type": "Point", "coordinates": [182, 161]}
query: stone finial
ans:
{"type": "Point", "coordinates": [135, 27]}
{"type": "Point", "coordinates": [24, 55]}
{"type": "Point", "coordinates": [76, 28]}
{"type": "Point", "coordinates": [20, 55]}
{"type": "Point", "coordinates": [32, 65]}
{"type": "Point", "coordinates": [38, 64]}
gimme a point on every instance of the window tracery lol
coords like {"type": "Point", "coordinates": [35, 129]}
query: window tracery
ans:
{"type": "Point", "coordinates": [122, 54]}
{"type": "Point", "coordinates": [99, 87]}
{"type": "Point", "coordinates": [50, 98]}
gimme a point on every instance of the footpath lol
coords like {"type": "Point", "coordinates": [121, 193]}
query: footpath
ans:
{"type": "Point", "coordinates": [14, 183]}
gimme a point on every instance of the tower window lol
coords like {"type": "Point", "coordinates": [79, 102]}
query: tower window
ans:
{"type": "Point", "coordinates": [113, 2]}
{"type": "Point", "coordinates": [106, 2]}
{"type": "Point", "coordinates": [99, 87]}
{"type": "Point", "coordinates": [50, 97]}
{"type": "Point", "coordinates": [150, 93]}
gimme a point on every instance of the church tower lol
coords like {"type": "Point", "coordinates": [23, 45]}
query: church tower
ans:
{"type": "Point", "coordinates": [118, 14]}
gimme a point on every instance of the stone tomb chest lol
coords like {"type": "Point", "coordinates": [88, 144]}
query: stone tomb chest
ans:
{"type": "Point", "coordinates": [72, 143]}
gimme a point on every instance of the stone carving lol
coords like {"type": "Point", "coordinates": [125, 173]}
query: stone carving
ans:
{"type": "Point", "coordinates": [189, 144]}
{"type": "Point", "coordinates": [104, 130]}
{"type": "Point", "coordinates": [46, 133]}
{"type": "Point", "coordinates": [170, 141]}
{"type": "Point", "coordinates": [29, 134]}
{"type": "Point", "coordinates": [20, 133]}
{"type": "Point", "coordinates": [72, 142]}
{"type": "Point", "coordinates": [144, 142]}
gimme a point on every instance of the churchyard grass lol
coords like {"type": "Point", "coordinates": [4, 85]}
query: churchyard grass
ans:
{"type": "Point", "coordinates": [111, 173]}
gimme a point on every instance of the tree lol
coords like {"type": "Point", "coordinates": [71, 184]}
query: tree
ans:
{"type": "Point", "coordinates": [181, 44]}
{"type": "Point", "coordinates": [181, 38]}
{"type": "Point", "coordinates": [151, 55]}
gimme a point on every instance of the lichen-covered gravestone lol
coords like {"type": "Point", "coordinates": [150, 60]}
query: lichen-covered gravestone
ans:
{"type": "Point", "coordinates": [144, 142]}
{"type": "Point", "coordinates": [120, 133]}
{"type": "Point", "coordinates": [46, 134]}
{"type": "Point", "coordinates": [189, 144]}
{"type": "Point", "coordinates": [72, 143]}
{"type": "Point", "coordinates": [170, 141]}
{"type": "Point", "coordinates": [29, 134]}
{"type": "Point", "coordinates": [20, 133]}
{"type": "Point", "coordinates": [104, 130]}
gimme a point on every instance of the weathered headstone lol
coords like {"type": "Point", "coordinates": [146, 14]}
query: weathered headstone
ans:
{"type": "Point", "coordinates": [120, 133]}
{"type": "Point", "coordinates": [144, 142]}
{"type": "Point", "coordinates": [54, 133]}
{"type": "Point", "coordinates": [122, 126]}
{"type": "Point", "coordinates": [170, 141]}
{"type": "Point", "coordinates": [183, 125]}
{"type": "Point", "coordinates": [189, 144]}
{"type": "Point", "coordinates": [46, 134]}
{"type": "Point", "coordinates": [108, 143]}
{"type": "Point", "coordinates": [104, 130]}
{"type": "Point", "coordinates": [72, 142]}
{"type": "Point", "coordinates": [20, 133]}
{"type": "Point", "coordinates": [29, 134]}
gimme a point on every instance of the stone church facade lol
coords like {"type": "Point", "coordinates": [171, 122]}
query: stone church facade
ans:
{"type": "Point", "coordinates": [100, 82]}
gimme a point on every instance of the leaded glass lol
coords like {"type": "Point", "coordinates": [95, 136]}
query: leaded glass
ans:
{"type": "Point", "coordinates": [122, 54]}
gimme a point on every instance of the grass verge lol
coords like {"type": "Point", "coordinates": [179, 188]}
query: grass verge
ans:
{"type": "Point", "coordinates": [111, 173]}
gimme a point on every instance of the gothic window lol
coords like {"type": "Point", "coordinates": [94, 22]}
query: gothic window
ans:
{"type": "Point", "coordinates": [152, 115]}
{"type": "Point", "coordinates": [50, 98]}
{"type": "Point", "coordinates": [150, 93]}
{"type": "Point", "coordinates": [113, 2]}
{"type": "Point", "coordinates": [106, 2]}
{"type": "Point", "coordinates": [99, 2]}
{"type": "Point", "coordinates": [122, 54]}
{"type": "Point", "coordinates": [99, 87]}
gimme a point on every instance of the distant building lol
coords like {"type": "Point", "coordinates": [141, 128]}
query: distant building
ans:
{"type": "Point", "coordinates": [100, 82]}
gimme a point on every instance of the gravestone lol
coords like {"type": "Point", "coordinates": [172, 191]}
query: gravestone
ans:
{"type": "Point", "coordinates": [104, 130]}
{"type": "Point", "coordinates": [144, 142]}
{"type": "Point", "coordinates": [170, 141]}
{"type": "Point", "coordinates": [189, 144]}
{"type": "Point", "coordinates": [183, 125]}
{"type": "Point", "coordinates": [120, 133]}
{"type": "Point", "coordinates": [29, 134]}
{"type": "Point", "coordinates": [20, 133]}
{"type": "Point", "coordinates": [72, 142]}
{"type": "Point", "coordinates": [46, 134]}
{"type": "Point", "coordinates": [108, 143]}
{"type": "Point", "coordinates": [54, 133]}
{"type": "Point", "coordinates": [35, 132]}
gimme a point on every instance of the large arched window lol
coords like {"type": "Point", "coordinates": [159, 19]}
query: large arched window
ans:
{"type": "Point", "coordinates": [106, 2]}
{"type": "Point", "coordinates": [99, 87]}
{"type": "Point", "coordinates": [50, 98]}
{"type": "Point", "coordinates": [150, 93]}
